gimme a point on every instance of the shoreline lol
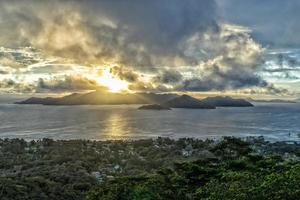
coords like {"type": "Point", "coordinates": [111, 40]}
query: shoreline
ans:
{"type": "Point", "coordinates": [213, 138]}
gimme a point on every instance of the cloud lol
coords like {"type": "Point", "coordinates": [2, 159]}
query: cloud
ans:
{"type": "Point", "coordinates": [286, 60]}
{"type": "Point", "coordinates": [155, 45]}
{"type": "Point", "coordinates": [231, 61]}
{"type": "Point", "coordinates": [98, 32]}
{"type": "Point", "coordinates": [274, 22]}
{"type": "Point", "coordinates": [12, 86]}
{"type": "Point", "coordinates": [169, 77]}
{"type": "Point", "coordinates": [269, 90]}
{"type": "Point", "coordinates": [125, 74]}
{"type": "Point", "coordinates": [5, 70]}
{"type": "Point", "coordinates": [228, 59]}
{"type": "Point", "coordinates": [67, 84]}
{"type": "Point", "coordinates": [18, 57]}
{"type": "Point", "coordinates": [282, 65]}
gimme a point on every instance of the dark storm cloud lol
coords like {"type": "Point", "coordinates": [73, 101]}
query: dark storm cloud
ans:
{"type": "Point", "coordinates": [233, 62]}
{"type": "Point", "coordinates": [222, 81]}
{"type": "Point", "coordinates": [143, 33]}
{"type": "Point", "coordinates": [237, 59]}
{"type": "Point", "coordinates": [169, 77]}
{"type": "Point", "coordinates": [161, 22]}
{"type": "Point", "coordinates": [274, 22]}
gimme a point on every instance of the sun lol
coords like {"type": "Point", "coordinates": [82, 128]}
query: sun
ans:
{"type": "Point", "coordinates": [112, 83]}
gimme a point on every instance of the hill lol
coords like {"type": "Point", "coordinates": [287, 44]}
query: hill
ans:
{"type": "Point", "coordinates": [272, 100]}
{"type": "Point", "coordinates": [161, 168]}
{"type": "Point", "coordinates": [186, 101]}
{"type": "Point", "coordinates": [165, 100]}
{"type": "Point", "coordinates": [154, 107]}
{"type": "Point", "coordinates": [102, 98]}
{"type": "Point", "coordinates": [226, 101]}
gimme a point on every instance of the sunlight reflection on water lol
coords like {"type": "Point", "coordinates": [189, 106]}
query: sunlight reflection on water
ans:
{"type": "Point", "coordinates": [115, 127]}
{"type": "Point", "coordinates": [274, 121]}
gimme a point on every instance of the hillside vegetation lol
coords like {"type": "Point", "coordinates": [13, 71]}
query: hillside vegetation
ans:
{"type": "Point", "coordinates": [149, 169]}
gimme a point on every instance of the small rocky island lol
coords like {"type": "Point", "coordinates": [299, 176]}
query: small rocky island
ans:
{"type": "Point", "coordinates": [154, 107]}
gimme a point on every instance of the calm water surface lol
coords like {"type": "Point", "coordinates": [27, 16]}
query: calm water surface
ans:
{"type": "Point", "coordinates": [274, 121]}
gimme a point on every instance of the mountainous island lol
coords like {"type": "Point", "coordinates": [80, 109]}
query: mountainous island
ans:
{"type": "Point", "coordinates": [272, 100]}
{"type": "Point", "coordinates": [226, 101]}
{"type": "Point", "coordinates": [152, 100]}
{"type": "Point", "coordinates": [102, 98]}
{"type": "Point", "coordinates": [154, 107]}
{"type": "Point", "coordinates": [186, 101]}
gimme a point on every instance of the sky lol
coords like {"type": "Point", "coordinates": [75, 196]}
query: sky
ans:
{"type": "Point", "coordinates": [237, 47]}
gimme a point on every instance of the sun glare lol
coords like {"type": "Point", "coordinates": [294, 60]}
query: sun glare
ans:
{"type": "Point", "coordinates": [112, 83]}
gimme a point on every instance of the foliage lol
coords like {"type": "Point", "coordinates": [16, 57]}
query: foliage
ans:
{"type": "Point", "coordinates": [148, 169]}
{"type": "Point", "coordinates": [235, 174]}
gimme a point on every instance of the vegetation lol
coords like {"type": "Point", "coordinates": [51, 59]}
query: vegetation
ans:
{"type": "Point", "coordinates": [149, 169]}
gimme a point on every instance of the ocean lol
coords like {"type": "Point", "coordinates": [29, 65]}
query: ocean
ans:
{"type": "Point", "coordinates": [274, 121]}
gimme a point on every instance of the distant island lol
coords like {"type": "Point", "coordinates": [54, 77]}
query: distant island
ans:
{"type": "Point", "coordinates": [186, 101]}
{"type": "Point", "coordinates": [272, 100]}
{"type": "Point", "coordinates": [168, 100]}
{"type": "Point", "coordinates": [226, 101]}
{"type": "Point", "coordinates": [154, 107]}
{"type": "Point", "coordinates": [102, 98]}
